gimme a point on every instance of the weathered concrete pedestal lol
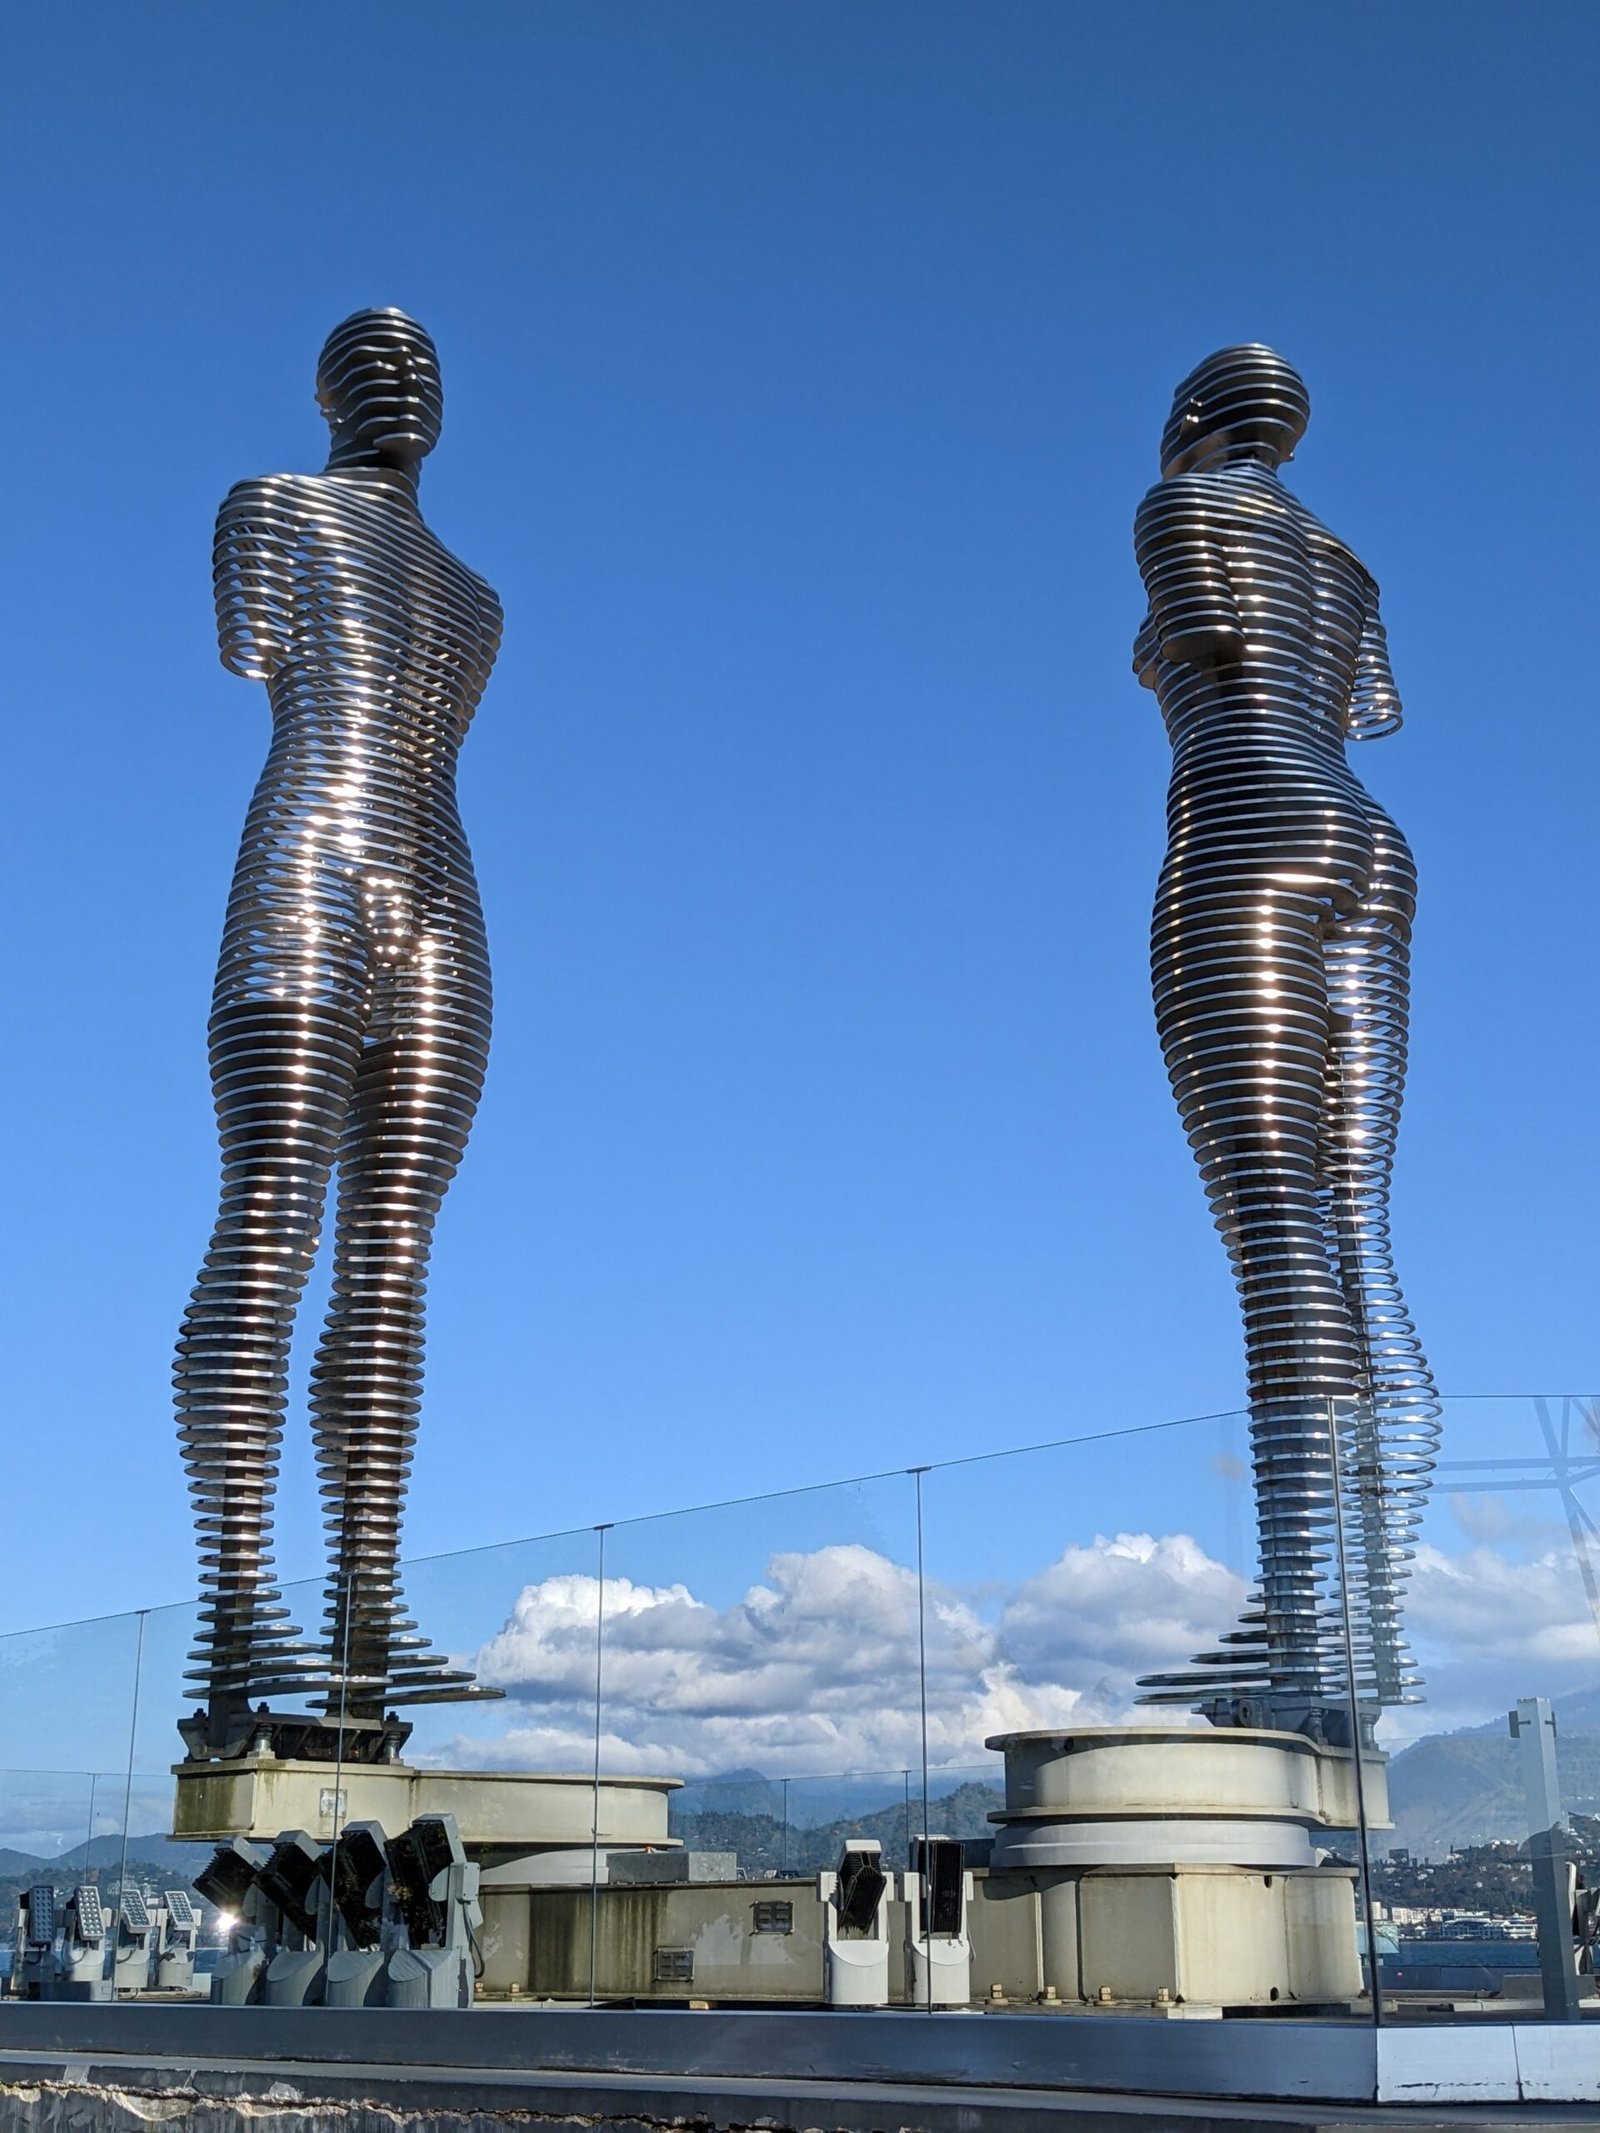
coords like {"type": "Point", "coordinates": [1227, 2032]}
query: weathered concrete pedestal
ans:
{"type": "Point", "coordinates": [526, 1826]}
{"type": "Point", "coordinates": [1178, 1866]}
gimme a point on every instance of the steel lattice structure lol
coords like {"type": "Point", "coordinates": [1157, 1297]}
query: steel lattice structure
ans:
{"type": "Point", "coordinates": [1280, 958]}
{"type": "Point", "coordinates": [349, 1028]}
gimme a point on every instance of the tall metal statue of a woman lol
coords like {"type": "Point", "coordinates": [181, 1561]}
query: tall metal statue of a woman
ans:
{"type": "Point", "coordinates": [349, 1031]}
{"type": "Point", "coordinates": [1280, 955]}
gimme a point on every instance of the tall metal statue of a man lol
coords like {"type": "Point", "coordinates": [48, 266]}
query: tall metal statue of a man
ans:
{"type": "Point", "coordinates": [1281, 955]}
{"type": "Point", "coordinates": [349, 1030]}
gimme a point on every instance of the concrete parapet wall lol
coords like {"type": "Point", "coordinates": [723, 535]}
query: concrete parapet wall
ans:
{"type": "Point", "coordinates": [1213, 1936]}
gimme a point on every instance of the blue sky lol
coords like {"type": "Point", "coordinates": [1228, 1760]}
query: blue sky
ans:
{"type": "Point", "coordinates": [804, 365]}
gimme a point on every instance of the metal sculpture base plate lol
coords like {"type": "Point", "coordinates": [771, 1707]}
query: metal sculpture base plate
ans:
{"type": "Point", "coordinates": [1180, 1863]}
{"type": "Point", "coordinates": [293, 1736]}
{"type": "Point", "coordinates": [552, 1821]}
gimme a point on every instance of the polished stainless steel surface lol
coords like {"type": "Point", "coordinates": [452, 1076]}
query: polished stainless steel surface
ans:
{"type": "Point", "coordinates": [1280, 957]}
{"type": "Point", "coordinates": [349, 1027]}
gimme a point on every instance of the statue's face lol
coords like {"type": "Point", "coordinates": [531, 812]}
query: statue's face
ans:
{"type": "Point", "coordinates": [1246, 396]}
{"type": "Point", "coordinates": [378, 384]}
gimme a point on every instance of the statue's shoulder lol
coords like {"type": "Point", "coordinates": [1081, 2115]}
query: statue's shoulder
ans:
{"type": "Point", "coordinates": [252, 560]}
{"type": "Point", "coordinates": [1193, 495]}
{"type": "Point", "coordinates": [269, 499]}
{"type": "Point", "coordinates": [1183, 516]}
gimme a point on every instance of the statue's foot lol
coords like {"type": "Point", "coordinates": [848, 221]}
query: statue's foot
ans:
{"type": "Point", "coordinates": [245, 1654]}
{"type": "Point", "coordinates": [385, 1662]}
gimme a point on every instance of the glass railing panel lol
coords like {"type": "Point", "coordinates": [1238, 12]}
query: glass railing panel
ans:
{"type": "Point", "coordinates": [736, 1828]}
{"type": "Point", "coordinates": [772, 1638]}
{"type": "Point", "coordinates": [1477, 1905]}
{"type": "Point", "coordinates": [500, 1707]}
{"type": "Point", "coordinates": [67, 1698]}
{"type": "Point", "coordinates": [521, 1620]}
{"type": "Point", "coordinates": [787, 1827]}
{"type": "Point", "coordinates": [762, 1658]}
{"type": "Point", "coordinates": [497, 1649]}
{"type": "Point", "coordinates": [1057, 1577]}
{"type": "Point", "coordinates": [1073, 1593]}
{"type": "Point", "coordinates": [164, 1648]}
{"type": "Point", "coordinates": [58, 1825]}
{"type": "Point", "coordinates": [962, 1801]}
{"type": "Point", "coordinates": [163, 1643]}
{"type": "Point", "coordinates": [66, 1695]}
{"type": "Point", "coordinates": [763, 1670]}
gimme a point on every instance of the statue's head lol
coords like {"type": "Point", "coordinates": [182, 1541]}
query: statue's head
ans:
{"type": "Point", "coordinates": [378, 384]}
{"type": "Point", "coordinates": [1246, 397]}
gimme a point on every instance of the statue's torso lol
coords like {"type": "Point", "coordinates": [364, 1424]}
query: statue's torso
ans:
{"type": "Point", "coordinates": [331, 588]}
{"type": "Point", "coordinates": [375, 644]}
{"type": "Point", "coordinates": [1301, 597]}
{"type": "Point", "coordinates": [1259, 738]}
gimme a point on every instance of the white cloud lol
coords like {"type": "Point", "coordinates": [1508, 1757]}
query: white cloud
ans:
{"type": "Point", "coordinates": [815, 1668]}
{"type": "Point", "coordinates": [1489, 1624]}
{"type": "Point", "coordinates": [1127, 1604]}
{"type": "Point", "coordinates": [1488, 1603]}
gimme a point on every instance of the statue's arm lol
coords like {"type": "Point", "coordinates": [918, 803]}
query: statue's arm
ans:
{"type": "Point", "coordinates": [1374, 701]}
{"type": "Point", "coordinates": [251, 562]}
{"type": "Point", "coordinates": [1194, 617]}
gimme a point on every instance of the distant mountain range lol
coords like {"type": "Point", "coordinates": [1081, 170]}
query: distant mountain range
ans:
{"type": "Point", "coordinates": [1452, 1789]}
{"type": "Point", "coordinates": [805, 1802]}
{"type": "Point", "coordinates": [154, 1855]}
{"type": "Point", "coordinates": [1446, 1790]}
{"type": "Point", "coordinates": [764, 1844]}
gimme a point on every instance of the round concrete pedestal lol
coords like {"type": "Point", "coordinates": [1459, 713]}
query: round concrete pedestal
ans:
{"type": "Point", "coordinates": [1178, 1865]}
{"type": "Point", "coordinates": [542, 1822]}
{"type": "Point", "coordinates": [1174, 1795]}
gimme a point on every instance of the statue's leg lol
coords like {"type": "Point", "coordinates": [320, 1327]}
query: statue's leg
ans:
{"type": "Point", "coordinates": [1393, 1435]}
{"type": "Point", "coordinates": [415, 1095]}
{"type": "Point", "coordinates": [1241, 1004]}
{"type": "Point", "coordinates": [286, 1032]}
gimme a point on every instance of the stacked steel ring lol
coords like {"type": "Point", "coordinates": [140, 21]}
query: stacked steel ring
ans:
{"type": "Point", "coordinates": [1280, 960]}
